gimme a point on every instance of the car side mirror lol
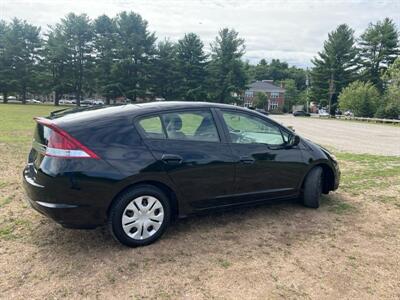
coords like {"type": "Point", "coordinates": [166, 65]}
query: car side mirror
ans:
{"type": "Point", "coordinates": [294, 140]}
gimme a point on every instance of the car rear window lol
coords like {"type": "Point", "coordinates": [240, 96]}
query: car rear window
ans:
{"type": "Point", "coordinates": [152, 127]}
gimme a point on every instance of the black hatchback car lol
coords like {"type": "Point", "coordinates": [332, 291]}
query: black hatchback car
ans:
{"type": "Point", "coordinates": [137, 166]}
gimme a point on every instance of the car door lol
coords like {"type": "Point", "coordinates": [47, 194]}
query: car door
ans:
{"type": "Point", "coordinates": [265, 167]}
{"type": "Point", "coordinates": [195, 155]}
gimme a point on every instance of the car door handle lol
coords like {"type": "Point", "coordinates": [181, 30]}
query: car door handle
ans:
{"type": "Point", "coordinates": [247, 160]}
{"type": "Point", "coordinates": [172, 159]}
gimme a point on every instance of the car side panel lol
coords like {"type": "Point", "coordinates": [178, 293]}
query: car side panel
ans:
{"type": "Point", "coordinates": [206, 171]}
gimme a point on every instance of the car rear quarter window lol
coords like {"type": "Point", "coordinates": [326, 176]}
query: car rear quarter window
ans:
{"type": "Point", "coordinates": [190, 125]}
{"type": "Point", "coordinates": [152, 127]}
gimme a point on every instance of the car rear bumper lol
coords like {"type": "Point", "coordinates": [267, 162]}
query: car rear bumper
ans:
{"type": "Point", "coordinates": [71, 215]}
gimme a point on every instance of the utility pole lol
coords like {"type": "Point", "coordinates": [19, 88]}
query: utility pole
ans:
{"type": "Point", "coordinates": [307, 85]}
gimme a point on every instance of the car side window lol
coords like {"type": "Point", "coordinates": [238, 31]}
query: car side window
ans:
{"type": "Point", "coordinates": [190, 125]}
{"type": "Point", "coordinates": [246, 129]}
{"type": "Point", "coordinates": [152, 127]}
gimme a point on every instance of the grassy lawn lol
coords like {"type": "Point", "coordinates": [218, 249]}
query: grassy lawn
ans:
{"type": "Point", "coordinates": [346, 249]}
{"type": "Point", "coordinates": [17, 119]}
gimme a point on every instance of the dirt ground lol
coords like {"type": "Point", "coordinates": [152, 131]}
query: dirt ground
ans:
{"type": "Point", "coordinates": [357, 137]}
{"type": "Point", "coordinates": [349, 248]}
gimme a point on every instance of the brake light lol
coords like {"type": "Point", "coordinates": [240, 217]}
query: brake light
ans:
{"type": "Point", "coordinates": [62, 145]}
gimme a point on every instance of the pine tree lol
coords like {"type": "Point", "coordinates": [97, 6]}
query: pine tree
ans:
{"type": "Point", "coordinates": [379, 47]}
{"type": "Point", "coordinates": [4, 62]}
{"type": "Point", "coordinates": [336, 65]}
{"type": "Point", "coordinates": [105, 49]}
{"type": "Point", "coordinates": [22, 44]}
{"type": "Point", "coordinates": [57, 63]}
{"type": "Point", "coordinates": [227, 74]}
{"type": "Point", "coordinates": [135, 55]}
{"type": "Point", "coordinates": [78, 34]}
{"type": "Point", "coordinates": [165, 76]}
{"type": "Point", "coordinates": [191, 63]}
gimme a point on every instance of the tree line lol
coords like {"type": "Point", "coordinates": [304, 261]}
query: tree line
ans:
{"type": "Point", "coordinates": [358, 67]}
{"type": "Point", "coordinates": [117, 57]}
{"type": "Point", "coordinates": [120, 57]}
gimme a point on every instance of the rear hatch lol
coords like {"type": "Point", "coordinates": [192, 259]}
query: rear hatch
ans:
{"type": "Point", "coordinates": [49, 140]}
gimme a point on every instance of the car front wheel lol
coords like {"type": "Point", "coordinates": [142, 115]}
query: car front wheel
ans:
{"type": "Point", "coordinates": [139, 216]}
{"type": "Point", "coordinates": [312, 188]}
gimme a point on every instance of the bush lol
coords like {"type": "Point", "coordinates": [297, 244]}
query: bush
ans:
{"type": "Point", "coordinates": [392, 111]}
{"type": "Point", "coordinates": [361, 98]}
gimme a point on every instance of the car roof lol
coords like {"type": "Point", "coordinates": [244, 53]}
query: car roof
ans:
{"type": "Point", "coordinates": [66, 117]}
{"type": "Point", "coordinates": [130, 109]}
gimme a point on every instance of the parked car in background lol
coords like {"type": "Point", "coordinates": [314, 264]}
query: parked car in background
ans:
{"type": "Point", "coordinates": [66, 101]}
{"type": "Point", "coordinates": [301, 113]}
{"type": "Point", "coordinates": [34, 101]}
{"type": "Point", "coordinates": [91, 102]}
{"type": "Point", "coordinates": [87, 102]}
{"type": "Point", "coordinates": [348, 113]}
{"type": "Point", "coordinates": [98, 102]}
{"type": "Point", "coordinates": [136, 167]}
{"type": "Point", "coordinates": [323, 113]}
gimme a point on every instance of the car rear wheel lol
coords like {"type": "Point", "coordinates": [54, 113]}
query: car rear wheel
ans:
{"type": "Point", "coordinates": [312, 188]}
{"type": "Point", "coordinates": [139, 216]}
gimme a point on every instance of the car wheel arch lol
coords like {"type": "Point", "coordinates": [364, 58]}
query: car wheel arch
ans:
{"type": "Point", "coordinates": [169, 192]}
{"type": "Point", "coordinates": [327, 174]}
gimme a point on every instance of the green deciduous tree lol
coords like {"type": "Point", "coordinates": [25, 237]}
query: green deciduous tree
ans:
{"type": "Point", "coordinates": [191, 63]}
{"type": "Point", "coordinates": [390, 108]}
{"type": "Point", "coordinates": [335, 66]}
{"type": "Point", "coordinates": [226, 69]}
{"type": "Point", "coordinates": [379, 47]}
{"type": "Point", "coordinates": [291, 94]}
{"type": "Point", "coordinates": [275, 70]}
{"type": "Point", "coordinates": [361, 98]}
{"type": "Point", "coordinates": [260, 100]}
{"type": "Point", "coordinates": [279, 70]}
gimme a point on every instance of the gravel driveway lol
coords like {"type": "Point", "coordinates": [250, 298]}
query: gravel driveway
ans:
{"type": "Point", "coordinates": [348, 136]}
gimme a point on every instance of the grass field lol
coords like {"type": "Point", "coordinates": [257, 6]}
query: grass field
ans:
{"type": "Point", "coordinates": [349, 248]}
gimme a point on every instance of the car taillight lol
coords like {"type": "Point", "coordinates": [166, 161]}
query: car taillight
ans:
{"type": "Point", "coordinates": [62, 145]}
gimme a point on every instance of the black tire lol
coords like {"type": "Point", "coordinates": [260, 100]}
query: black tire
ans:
{"type": "Point", "coordinates": [312, 188]}
{"type": "Point", "coordinates": [120, 204]}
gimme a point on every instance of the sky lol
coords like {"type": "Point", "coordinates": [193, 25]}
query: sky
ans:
{"type": "Point", "coordinates": [293, 31]}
